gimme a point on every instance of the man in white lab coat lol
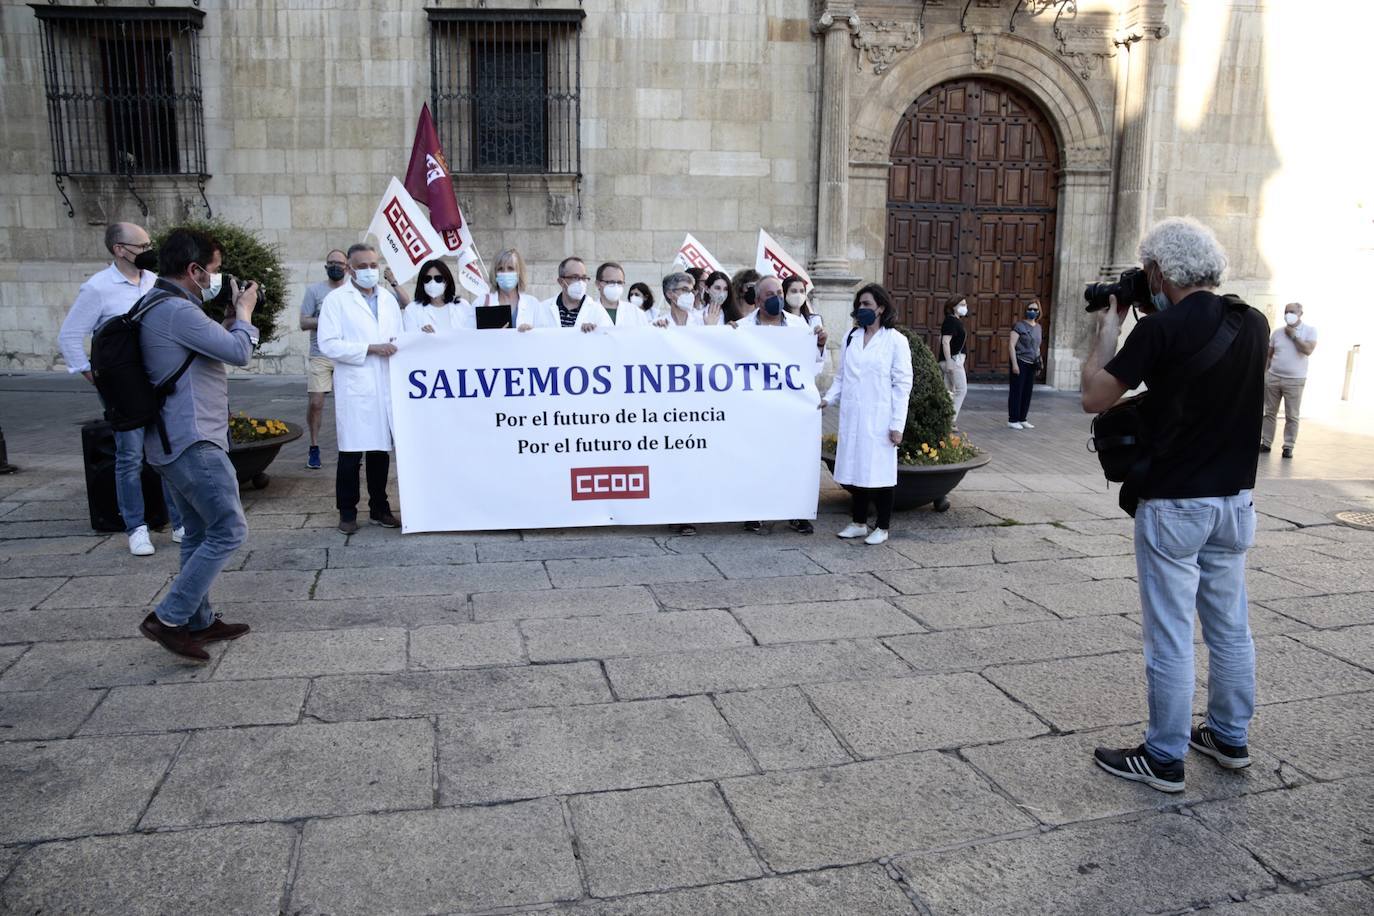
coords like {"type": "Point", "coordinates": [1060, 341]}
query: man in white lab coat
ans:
{"type": "Point", "coordinates": [359, 323]}
{"type": "Point", "coordinates": [571, 308]}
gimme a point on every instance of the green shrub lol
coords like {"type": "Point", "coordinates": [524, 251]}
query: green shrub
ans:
{"type": "Point", "coordinates": [930, 412]}
{"type": "Point", "coordinates": [246, 257]}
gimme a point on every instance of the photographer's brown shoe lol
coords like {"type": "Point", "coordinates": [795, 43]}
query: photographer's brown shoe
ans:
{"type": "Point", "coordinates": [218, 630]}
{"type": "Point", "coordinates": [177, 640]}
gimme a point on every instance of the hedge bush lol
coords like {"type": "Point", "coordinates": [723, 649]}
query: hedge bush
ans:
{"type": "Point", "coordinates": [246, 257]}
{"type": "Point", "coordinates": [930, 412]}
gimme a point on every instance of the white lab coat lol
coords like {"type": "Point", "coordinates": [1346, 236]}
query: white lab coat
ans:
{"type": "Point", "coordinates": [443, 319]}
{"type": "Point", "coordinates": [789, 320]}
{"type": "Point", "coordinates": [876, 382]}
{"type": "Point", "coordinates": [630, 316]}
{"type": "Point", "coordinates": [545, 314]}
{"type": "Point", "coordinates": [467, 311]}
{"type": "Point", "coordinates": [362, 382]}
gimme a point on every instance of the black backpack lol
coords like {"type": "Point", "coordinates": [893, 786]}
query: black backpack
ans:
{"type": "Point", "coordinates": [131, 400]}
{"type": "Point", "coordinates": [1120, 435]}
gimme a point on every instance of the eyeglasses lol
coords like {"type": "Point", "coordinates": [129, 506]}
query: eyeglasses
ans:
{"type": "Point", "coordinates": [137, 246]}
{"type": "Point", "coordinates": [583, 277]}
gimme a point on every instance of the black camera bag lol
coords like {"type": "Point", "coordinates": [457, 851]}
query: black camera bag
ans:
{"type": "Point", "coordinates": [1120, 435]}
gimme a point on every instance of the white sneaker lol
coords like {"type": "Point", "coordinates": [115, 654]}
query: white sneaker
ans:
{"type": "Point", "coordinates": [1016, 426]}
{"type": "Point", "coordinates": [1027, 424]}
{"type": "Point", "coordinates": [878, 536]}
{"type": "Point", "coordinates": [852, 530]}
{"type": "Point", "coordinates": [139, 545]}
{"type": "Point", "coordinates": [178, 534]}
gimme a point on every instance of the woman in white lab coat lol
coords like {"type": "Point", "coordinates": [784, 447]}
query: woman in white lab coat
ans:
{"type": "Point", "coordinates": [510, 290]}
{"type": "Point", "coordinates": [875, 380]}
{"type": "Point", "coordinates": [638, 308]}
{"type": "Point", "coordinates": [434, 310]}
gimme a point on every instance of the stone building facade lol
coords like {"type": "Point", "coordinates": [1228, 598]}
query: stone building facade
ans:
{"type": "Point", "coordinates": [1000, 149]}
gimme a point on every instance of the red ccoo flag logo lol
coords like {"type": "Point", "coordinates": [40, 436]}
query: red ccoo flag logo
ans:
{"type": "Point", "coordinates": [407, 233]}
{"type": "Point", "coordinates": [610, 483]}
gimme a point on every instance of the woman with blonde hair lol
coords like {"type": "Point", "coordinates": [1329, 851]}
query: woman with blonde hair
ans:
{"type": "Point", "coordinates": [509, 291]}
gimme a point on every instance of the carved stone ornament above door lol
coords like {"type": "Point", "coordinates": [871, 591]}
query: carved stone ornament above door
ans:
{"type": "Point", "coordinates": [882, 40]}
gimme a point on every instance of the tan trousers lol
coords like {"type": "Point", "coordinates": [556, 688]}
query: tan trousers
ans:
{"type": "Point", "coordinates": [1290, 391]}
{"type": "Point", "coordinates": [956, 382]}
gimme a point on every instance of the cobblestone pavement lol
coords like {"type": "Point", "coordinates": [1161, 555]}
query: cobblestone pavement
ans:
{"type": "Point", "coordinates": [619, 721]}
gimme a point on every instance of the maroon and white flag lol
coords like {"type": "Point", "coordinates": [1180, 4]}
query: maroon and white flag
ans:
{"type": "Point", "coordinates": [404, 236]}
{"type": "Point", "coordinates": [772, 260]}
{"type": "Point", "coordinates": [429, 182]}
{"type": "Point", "coordinates": [694, 254]}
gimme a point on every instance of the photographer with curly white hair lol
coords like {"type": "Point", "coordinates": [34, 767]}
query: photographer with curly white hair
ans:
{"type": "Point", "coordinates": [1202, 357]}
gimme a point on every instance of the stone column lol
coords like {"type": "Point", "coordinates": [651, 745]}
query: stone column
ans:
{"type": "Point", "coordinates": [830, 269]}
{"type": "Point", "coordinates": [1138, 41]}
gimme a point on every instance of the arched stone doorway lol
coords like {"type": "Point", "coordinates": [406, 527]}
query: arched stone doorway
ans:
{"type": "Point", "coordinates": [972, 198]}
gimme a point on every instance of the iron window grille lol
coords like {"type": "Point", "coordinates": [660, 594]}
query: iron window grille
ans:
{"type": "Point", "coordinates": [506, 89]}
{"type": "Point", "coordinates": [123, 89]}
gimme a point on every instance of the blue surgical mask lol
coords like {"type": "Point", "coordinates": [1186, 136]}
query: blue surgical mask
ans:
{"type": "Point", "coordinates": [865, 317]}
{"type": "Point", "coordinates": [1032, 314]}
{"type": "Point", "coordinates": [1160, 301]}
{"type": "Point", "coordinates": [507, 279]}
{"type": "Point", "coordinates": [773, 305]}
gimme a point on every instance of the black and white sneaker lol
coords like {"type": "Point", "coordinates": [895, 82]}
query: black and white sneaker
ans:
{"type": "Point", "coordinates": [1137, 765]}
{"type": "Point", "coordinates": [1231, 756]}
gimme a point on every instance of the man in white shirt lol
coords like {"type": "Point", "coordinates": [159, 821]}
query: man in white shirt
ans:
{"type": "Point", "coordinates": [1289, 349]}
{"type": "Point", "coordinates": [108, 294]}
{"type": "Point", "coordinates": [571, 308]}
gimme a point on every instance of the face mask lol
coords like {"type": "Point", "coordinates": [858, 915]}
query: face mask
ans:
{"type": "Point", "coordinates": [367, 277]}
{"type": "Point", "coordinates": [796, 300]}
{"type": "Point", "coordinates": [961, 310]}
{"type": "Point", "coordinates": [866, 317]}
{"type": "Point", "coordinates": [1290, 319]}
{"type": "Point", "coordinates": [335, 272]}
{"type": "Point", "coordinates": [637, 301]}
{"type": "Point", "coordinates": [611, 291]}
{"type": "Point", "coordinates": [750, 295]}
{"type": "Point", "coordinates": [507, 280]}
{"type": "Point", "coordinates": [1032, 314]}
{"type": "Point", "coordinates": [717, 297]}
{"type": "Point", "coordinates": [687, 301]}
{"type": "Point", "coordinates": [773, 305]}
{"type": "Point", "coordinates": [146, 260]}
{"type": "Point", "coordinates": [1160, 301]}
{"type": "Point", "coordinates": [435, 288]}
{"type": "Point", "coordinates": [577, 289]}
{"type": "Point", "coordinates": [211, 291]}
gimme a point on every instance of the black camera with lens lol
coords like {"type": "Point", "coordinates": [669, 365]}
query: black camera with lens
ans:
{"type": "Point", "coordinates": [1132, 289]}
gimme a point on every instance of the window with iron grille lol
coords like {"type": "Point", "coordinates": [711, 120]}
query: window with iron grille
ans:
{"type": "Point", "coordinates": [505, 89]}
{"type": "Point", "coordinates": [123, 90]}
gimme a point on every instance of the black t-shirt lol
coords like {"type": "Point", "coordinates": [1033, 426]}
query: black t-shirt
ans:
{"type": "Point", "coordinates": [952, 328]}
{"type": "Point", "coordinates": [1205, 430]}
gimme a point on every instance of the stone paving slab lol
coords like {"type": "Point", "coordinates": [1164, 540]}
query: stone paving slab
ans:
{"type": "Point", "coordinates": [299, 558]}
{"type": "Point", "coordinates": [630, 571]}
{"type": "Point", "coordinates": [780, 590]}
{"type": "Point", "coordinates": [942, 555]}
{"type": "Point", "coordinates": [284, 772]}
{"type": "Point", "coordinates": [386, 581]}
{"type": "Point", "coordinates": [1347, 897]}
{"type": "Point", "coordinates": [532, 753]}
{"type": "Point", "coordinates": [657, 839]}
{"type": "Point", "coordinates": [1328, 737]}
{"type": "Point", "coordinates": [1261, 585]}
{"type": "Point", "coordinates": [101, 562]}
{"type": "Point", "coordinates": [1286, 670]}
{"type": "Point", "coordinates": [238, 869]}
{"type": "Point", "coordinates": [431, 693]}
{"type": "Point", "coordinates": [564, 602]}
{"type": "Point", "coordinates": [406, 553]}
{"type": "Point", "coordinates": [102, 663]}
{"type": "Point", "coordinates": [1010, 548]}
{"type": "Point", "coordinates": [467, 645]}
{"type": "Point", "coordinates": [954, 650]}
{"type": "Point", "coordinates": [131, 589]}
{"type": "Point", "coordinates": [1101, 868]}
{"type": "Point", "coordinates": [780, 729]}
{"type": "Point", "coordinates": [589, 548]}
{"type": "Point", "coordinates": [1084, 599]}
{"type": "Point", "coordinates": [998, 575]}
{"type": "Point", "coordinates": [26, 716]}
{"type": "Point", "coordinates": [837, 556]}
{"type": "Point", "coordinates": [1305, 833]}
{"type": "Point", "coordinates": [858, 619]}
{"type": "Point", "coordinates": [881, 718]}
{"type": "Point", "coordinates": [982, 608]}
{"type": "Point", "coordinates": [859, 812]}
{"type": "Point", "coordinates": [1098, 568]}
{"type": "Point", "coordinates": [1354, 644]}
{"type": "Point", "coordinates": [865, 889]}
{"type": "Point", "coordinates": [177, 707]}
{"type": "Point", "coordinates": [23, 594]}
{"type": "Point", "coordinates": [718, 670]}
{"type": "Point", "coordinates": [9, 655]}
{"type": "Point", "coordinates": [1054, 779]}
{"type": "Point", "coordinates": [1327, 610]}
{"type": "Point", "coordinates": [574, 638]}
{"type": "Point", "coordinates": [341, 613]}
{"type": "Point", "coordinates": [447, 860]}
{"type": "Point", "coordinates": [1077, 693]}
{"type": "Point", "coordinates": [308, 653]}
{"type": "Point", "coordinates": [760, 563]}
{"type": "Point", "coordinates": [55, 789]}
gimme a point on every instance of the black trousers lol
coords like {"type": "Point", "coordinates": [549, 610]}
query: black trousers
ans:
{"type": "Point", "coordinates": [346, 484]}
{"type": "Point", "coordinates": [1019, 397]}
{"type": "Point", "coordinates": [861, 498]}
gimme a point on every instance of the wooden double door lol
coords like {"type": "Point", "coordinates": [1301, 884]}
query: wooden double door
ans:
{"type": "Point", "coordinates": [971, 200]}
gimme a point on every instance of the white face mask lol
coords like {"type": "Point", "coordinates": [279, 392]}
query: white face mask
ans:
{"type": "Point", "coordinates": [637, 301]}
{"type": "Point", "coordinates": [611, 291]}
{"type": "Point", "coordinates": [216, 283]}
{"type": "Point", "coordinates": [687, 301]}
{"type": "Point", "coordinates": [1289, 318]}
{"type": "Point", "coordinates": [577, 289]}
{"type": "Point", "coordinates": [961, 310]}
{"type": "Point", "coordinates": [796, 300]}
{"type": "Point", "coordinates": [717, 297]}
{"type": "Point", "coordinates": [367, 277]}
{"type": "Point", "coordinates": [434, 289]}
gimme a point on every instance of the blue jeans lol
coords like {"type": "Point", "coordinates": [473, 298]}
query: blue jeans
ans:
{"type": "Point", "coordinates": [129, 481]}
{"type": "Point", "coordinates": [206, 492]}
{"type": "Point", "coordinates": [1190, 553]}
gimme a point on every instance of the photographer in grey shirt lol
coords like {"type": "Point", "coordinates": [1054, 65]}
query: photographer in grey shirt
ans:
{"type": "Point", "coordinates": [195, 461]}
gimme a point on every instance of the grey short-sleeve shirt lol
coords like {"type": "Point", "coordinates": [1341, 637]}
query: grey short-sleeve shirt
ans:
{"type": "Point", "coordinates": [1027, 341]}
{"type": "Point", "coordinates": [310, 308]}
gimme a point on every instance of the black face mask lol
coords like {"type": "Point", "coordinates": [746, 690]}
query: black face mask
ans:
{"type": "Point", "coordinates": [146, 260]}
{"type": "Point", "coordinates": [334, 272]}
{"type": "Point", "coordinates": [749, 296]}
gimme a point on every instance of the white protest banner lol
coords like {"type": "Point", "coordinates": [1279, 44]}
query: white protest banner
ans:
{"type": "Point", "coordinates": [626, 426]}
{"type": "Point", "coordinates": [771, 259]}
{"type": "Point", "coordinates": [694, 254]}
{"type": "Point", "coordinates": [404, 236]}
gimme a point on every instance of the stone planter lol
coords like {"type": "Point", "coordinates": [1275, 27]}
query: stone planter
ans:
{"type": "Point", "coordinates": [919, 485]}
{"type": "Point", "coordinates": [251, 459]}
